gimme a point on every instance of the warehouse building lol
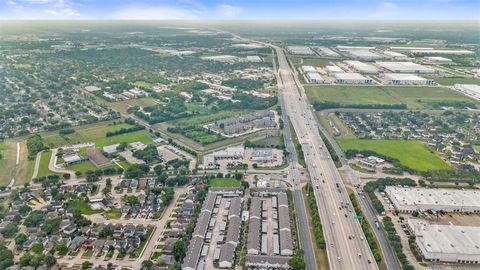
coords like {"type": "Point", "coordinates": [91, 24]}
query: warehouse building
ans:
{"type": "Point", "coordinates": [406, 79]}
{"type": "Point", "coordinates": [314, 77]}
{"type": "Point", "coordinates": [446, 242]}
{"type": "Point", "coordinates": [351, 78]}
{"type": "Point", "coordinates": [406, 67]}
{"type": "Point", "coordinates": [471, 90]}
{"type": "Point", "coordinates": [301, 50]}
{"type": "Point", "coordinates": [333, 69]}
{"type": "Point", "coordinates": [438, 59]}
{"type": "Point", "coordinates": [407, 200]}
{"type": "Point", "coordinates": [324, 51]}
{"type": "Point", "coordinates": [307, 69]}
{"type": "Point", "coordinates": [362, 67]}
{"type": "Point", "coordinates": [395, 55]}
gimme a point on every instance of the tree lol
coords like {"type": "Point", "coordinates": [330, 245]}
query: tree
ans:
{"type": "Point", "coordinates": [10, 230]}
{"type": "Point", "coordinates": [37, 248]}
{"type": "Point", "coordinates": [49, 260]}
{"type": "Point", "coordinates": [86, 265]}
{"type": "Point", "coordinates": [6, 257]}
{"type": "Point", "coordinates": [179, 250]}
{"type": "Point", "coordinates": [20, 239]}
{"type": "Point", "coordinates": [61, 249]}
{"type": "Point", "coordinates": [25, 259]}
{"type": "Point", "coordinates": [51, 226]}
{"type": "Point", "coordinates": [297, 262]}
{"type": "Point", "coordinates": [147, 265]}
{"type": "Point", "coordinates": [34, 219]}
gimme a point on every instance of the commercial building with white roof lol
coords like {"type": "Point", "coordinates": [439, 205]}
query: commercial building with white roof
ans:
{"type": "Point", "coordinates": [302, 50]}
{"type": "Point", "coordinates": [447, 243]}
{"type": "Point", "coordinates": [362, 67]}
{"type": "Point", "coordinates": [437, 59]}
{"type": "Point", "coordinates": [333, 69]}
{"type": "Point", "coordinates": [406, 67]}
{"type": "Point", "coordinates": [314, 77]}
{"type": "Point", "coordinates": [471, 90]}
{"type": "Point", "coordinates": [324, 51]}
{"type": "Point", "coordinates": [307, 69]}
{"type": "Point", "coordinates": [406, 79]}
{"type": "Point", "coordinates": [410, 199]}
{"type": "Point", "coordinates": [351, 78]}
{"type": "Point", "coordinates": [395, 55]}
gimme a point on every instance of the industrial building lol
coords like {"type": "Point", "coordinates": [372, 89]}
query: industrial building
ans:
{"type": "Point", "coordinates": [410, 199]}
{"type": "Point", "coordinates": [405, 67]}
{"type": "Point", "coordinates": [333, 69]}
{"type": "Point", "coordinates": [395, 55]}
{"type": "Point", "coordinates": [324, 51]}
{"type": "Point", "coordinates": [446, 242]}
{"type": "Point", "coordinates": [301, 50]}
{"type": "Point", "coordinates": [307, 69]}
{"type": "Point", "coordinates": [314, 77]}
{"type": "Point", "coordinates": [471, 90]}
{"type": "Point", "coordinates": [406, 79]}
{"type": "Point", "coordinates": [364, 53]}
{"type": "Point", "coordinates": [351, 78]}
{"type": "Point", "coordinates": [438, 59]}
{"type": "Point", "coordinates": [362, 67]}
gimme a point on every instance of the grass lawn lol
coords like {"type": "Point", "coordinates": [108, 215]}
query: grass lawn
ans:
{"type": "Point", "coordinates": [477, 148]}
{"type": "Point", "coordinates": [224, 182]}
{"type": "Point", "coordinates": [82, 134]}
{"type": "Point", "coordinates": [82, 167]}
{"type": "Point", "coordinates": [141, 136]}
{"type": "Point", "coordinates": [316, 62]}
{"type": "Point", "coordinates": [271, 141]}
{"type": "Point", "coordinates": [142, 84]}
{"type": "Point", "coordinates": [114, 213]}
{"type": "Point", "coordinates": [122, 106]}
{"type": "Point", "coordinates": [414, 97]}
{"type": "Point", "coordinates": [87, 254]}
{"type": "Point", "coordinates": [8, 149]}
{"type": "Point", "coordinates": [455, 80]}
{"type": "Point", "coordinates": [83, 208]}
{"type": "Point", "coordinates": [43, 167]}
{"type": "Point", "coordinates": [410, 153]}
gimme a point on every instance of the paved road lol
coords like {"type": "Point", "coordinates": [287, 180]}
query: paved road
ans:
{"type": "Point", "coordinates": [52, 167]}
{"type": "Point", "coordinates": [37, 164]}
{"type": "Point", "coordinates": [343, 235]}
{"type": "Point", "coordinates": [305, 237]}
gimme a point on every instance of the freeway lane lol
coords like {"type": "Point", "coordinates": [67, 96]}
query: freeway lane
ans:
{"type": "Point", "coordinates": [346, 247]}
{"type": "Point", "coordinates": [305, 237]}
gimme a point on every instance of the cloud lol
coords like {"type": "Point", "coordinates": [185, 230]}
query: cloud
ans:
{"type": "Point", "coordinates": [63, 13]}
{"type": "Point", "coordinates": [164, 12]}
{"type": "Point", "coordinates": [226, 10]}
{"type": "Point", "coordinates": [389, 5]}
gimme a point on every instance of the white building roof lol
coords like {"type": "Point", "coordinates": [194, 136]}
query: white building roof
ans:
{"type": "Point", "coordinates": [349, 76]}
{"type": "Point", "coordinates": [334, 69]}
{"type": "Point", "coordinates": [403, 77]}
{"type": "Point", "coordinates": [300, 50]}
{"type": "Point", "coordinates": [314, 76]}
{"type": "Point", "coordinates": [407, 67]}
{"type": "Point", "coordinates": [437, 59]}
{"type": "Point", "coordinates": [307, 69]}
{"type": "Point", "coordinates": [451, 241]}
{"type": "Point", "coordinates": [394, 54]}
{"type": "Point", "coordinates": [109, 149]}
{"type": "Point", "coordinates": [428, 198]}
{"type": "Point", "coordinates": [362, 67]}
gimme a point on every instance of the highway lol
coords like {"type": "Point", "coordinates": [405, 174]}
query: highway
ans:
{"type": "Point", "coordinates": [346, 244]}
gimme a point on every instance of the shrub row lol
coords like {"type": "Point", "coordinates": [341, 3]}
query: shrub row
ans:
{"type": "Point", "coordinates": [396, 243]}
{"type": "Point", "coordinates": [317, 225]}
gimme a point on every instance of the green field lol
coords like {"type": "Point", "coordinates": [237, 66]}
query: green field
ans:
{"type": "Point", "coordinates": [224, 182]}
{"type": "Point", "coordinates": [86, 166]}
{"type": "Point", "coordinates": [477, 148]}
{"type": "Point", "coordinates": [82, 134]}
{"type": "Point", "coordinates": [43, 167]}
{"type": "Point", "coordinates": [414, 97]}
{"type": "Point", "coordinates": [142, 84]}
{"type": "Point", "coordinates": [114, 213]}
{"type": "Point", "coordinates": [412, 154]}
{"type": "Point", "coordinates": [140, 136]}
{"type": "Point", "coordinates": [455, 80]}
{"type": "Point", "coordinates": [122, 106]}
{"type": "Point", "coordinates": [7, 163]}
{"type": "Point", "coordinates": [83, 208]}
{"type": "Point", "coordinates": [316, 62]}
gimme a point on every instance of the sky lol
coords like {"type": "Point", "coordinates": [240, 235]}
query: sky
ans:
{"type": "Point", "coordinates": [240, 9]}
